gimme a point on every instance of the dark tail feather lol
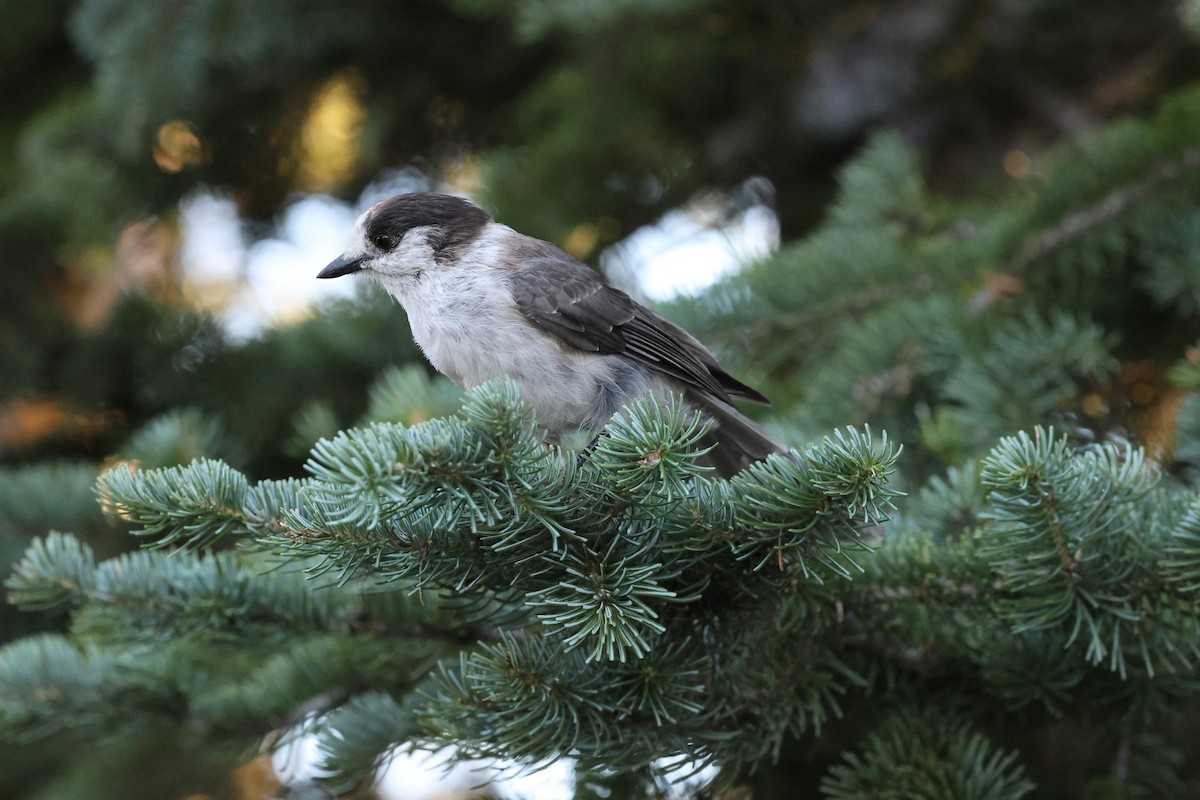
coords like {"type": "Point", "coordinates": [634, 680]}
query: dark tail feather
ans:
{"type": "Point", "coordinates": [739, 440]}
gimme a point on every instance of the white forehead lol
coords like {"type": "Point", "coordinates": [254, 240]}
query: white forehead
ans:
{"type": "Point", "coordinates": [358, 234]}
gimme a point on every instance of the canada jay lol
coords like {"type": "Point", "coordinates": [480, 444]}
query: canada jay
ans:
{"type": "Point", "coordinates": [486, 302]}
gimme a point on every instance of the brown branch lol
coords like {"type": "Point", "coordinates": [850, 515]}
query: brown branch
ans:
{"type": "Point", "coordinates": [940, 587]}
{"type": "Point", "coordinates": [1076, 224]}
{"type": "Point", "coordinates": [1070, 563]}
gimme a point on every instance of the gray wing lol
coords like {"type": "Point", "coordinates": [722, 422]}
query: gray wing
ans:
{"type": "Point", "coordinates": [567, 299]}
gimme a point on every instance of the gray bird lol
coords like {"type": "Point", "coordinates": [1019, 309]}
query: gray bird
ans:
{"type": "Point", "coordinates": [487, 302]}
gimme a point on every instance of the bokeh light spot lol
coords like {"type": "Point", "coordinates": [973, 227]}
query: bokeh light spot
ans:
{"type": "Point", "coordinates": [177, 146]}
{"type": "Point", "coordinates": [330, 137]}
{"type": "Point", "coordinates": [1017, 163]}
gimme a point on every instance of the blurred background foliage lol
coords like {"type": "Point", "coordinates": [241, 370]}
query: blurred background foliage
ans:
{"type": "Point", "coordinates": [1021, 244]}
{"type": "Point", "coordinates": [575, 121]}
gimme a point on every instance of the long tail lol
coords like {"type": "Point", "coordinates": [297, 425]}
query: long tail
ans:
{"type": "Point", "coordinates": [739, 440]}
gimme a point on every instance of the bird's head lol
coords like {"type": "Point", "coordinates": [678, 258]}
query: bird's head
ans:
{"type": "Point", "coordinates": [398, 239]}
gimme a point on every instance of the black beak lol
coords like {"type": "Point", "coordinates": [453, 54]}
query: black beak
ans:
{"type": "Point", "coordinates": [341, 266]}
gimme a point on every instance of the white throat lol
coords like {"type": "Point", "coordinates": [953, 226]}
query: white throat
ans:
{"type": "Point", "coordinates": [459, 310]}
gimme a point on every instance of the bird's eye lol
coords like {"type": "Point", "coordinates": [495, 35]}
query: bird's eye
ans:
{"type": "Point", "coordinates": [384, 241]}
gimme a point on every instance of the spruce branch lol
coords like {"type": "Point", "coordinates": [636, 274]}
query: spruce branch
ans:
{"type": "Point", "coordinates": [813, 508]}
{"type": "Point", "coordinates": [37, 497]}
{"type": "Point", "coordinates": [522, 693]}
{"type": "Point", "coordinates": [949, 504]}
{"type": "Point", "coordinates": [357, 471]}
{"type": "Point", "coordinates": [925, 754]}
{"type": "Point", "coordinates": [356, 738]}
{"type": "Point", "coordinates": [606, 605]}
{"type": "Point", "coordinates": [194, 505]}
{"type": "Point", "coordinates": [49, 684]}
{"type": "Point", "coordinates": [43, 679]}
{"type": "Point", "coordinates": [177, 437]}
{"type": "Point", "coordinates": [668, 685]}
{"type": "Point", "coordinates": [178, 593]}
{"type": "Point", "coordinates": [1028, 373]}
{"type": "Point", "coordinates": [409, 395]}
{"type": "Point", "coordinates": [523, 698]}
{"type": "Point", "coordinates": [311, 675]}
{"type": "Point", "coordinates": [649, 450]}
{"type": "Point", "coordinates": [1030, 669]}
{"type": "Point", "coordinates": [1063, 545]}
{"type": "Point", "coordinates": [55, 570]}
{"type": "Point", "coordinates": [267, 504]}
{"type": "Point", "coordinates": [585, 590]}
{"type": "Point", "coordinates": [1182, 563]}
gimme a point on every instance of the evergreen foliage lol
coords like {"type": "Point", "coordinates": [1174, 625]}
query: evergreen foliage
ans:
{"type": "Point", "coordinates": [1026, 625]}
{"type": "Point", "coordinates": [936, 758]}
{"type": "Point", "coordinates": [607, 627]}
